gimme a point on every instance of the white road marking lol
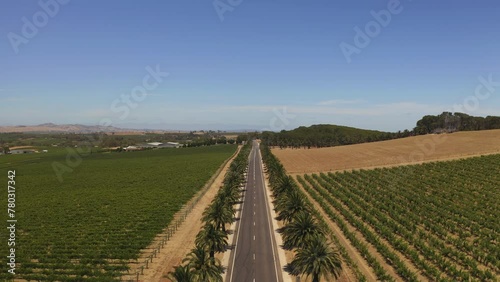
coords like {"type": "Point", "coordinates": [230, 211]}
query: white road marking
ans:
{"type": "Point", "coordinates": [256, 154]}
{"type": "Point", "coordinates": [268, 219]}
{"type": "Point", "coordinates": [238, 233]}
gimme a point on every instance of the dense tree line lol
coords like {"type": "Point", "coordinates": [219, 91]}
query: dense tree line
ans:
{"type": "Point", "coordinates": [325, 135]}
{"type": "Point", "coordinates": [301, 232]}
{"type": "Point", "coordinates": [451, 122]}
{"type": "Point", "coordinates": [209, 141]}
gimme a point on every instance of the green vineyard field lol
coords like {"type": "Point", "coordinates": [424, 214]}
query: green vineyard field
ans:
{"type": "Point", "coordinates": [442, 217]}
{"type": "Point", "coordinates": [92, 224]}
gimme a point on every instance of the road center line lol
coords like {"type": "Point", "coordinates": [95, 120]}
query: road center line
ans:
{"type": "Point", "coordinates": [238, 232]}
{"type": "Point", "coordinates": [269, 216]}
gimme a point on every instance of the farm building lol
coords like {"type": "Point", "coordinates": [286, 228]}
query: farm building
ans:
{"type": "Point", "coordinates": [161, 145]}
{"type": "Point", "coordinates": [22, 151]}
{"type": "Point", "coordinates": [151, 145]}
{"type": "Point", "coordinates": [155, 144]}
{"type": "Point", "coordinates": [172, 145]}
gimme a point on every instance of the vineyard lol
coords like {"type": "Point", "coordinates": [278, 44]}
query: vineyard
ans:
{"type": "Point", "coordinates": [201, 264]}
{"type": "Point", "coordinates": [436, 220]}
{"type": "Point", "coordinates": [304, 232]}
{"type": "Point", "coordinates": [93, 224]}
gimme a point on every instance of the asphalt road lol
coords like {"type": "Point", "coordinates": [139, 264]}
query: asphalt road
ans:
{"type": "Point", "coordinates": [255, 256]}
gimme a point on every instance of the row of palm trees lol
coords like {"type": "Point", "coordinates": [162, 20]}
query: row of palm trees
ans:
{"type": "Point", "coordinates": [301, 233]}
{"type": "Point", "coordinates": [200, 265]}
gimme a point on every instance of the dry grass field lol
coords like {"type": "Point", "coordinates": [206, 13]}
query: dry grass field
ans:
{"type": "Point", "coordinates": [409, 150]}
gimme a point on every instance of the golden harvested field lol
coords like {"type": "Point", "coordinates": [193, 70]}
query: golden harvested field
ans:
{"type": "Point", "coordinates": [411, 150]}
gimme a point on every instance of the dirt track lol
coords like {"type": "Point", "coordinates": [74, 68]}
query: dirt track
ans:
{"type": "Point", "coordinates": [409, 150]}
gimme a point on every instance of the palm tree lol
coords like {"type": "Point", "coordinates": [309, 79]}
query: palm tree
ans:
{"type": "Point", "coordinates": [302, 230]}
{"type": "Point", "coordinates": [213, 239]}
{"type": "Point", "coordinates": [181, 273]}
{"type": "Point", "coordinates": [283, 184]}
{"type": "Point", "coordinates": [233, 178]}
{"type": "Point", "coordinates": [204, 268]}
{"type": "Point", "coordinates": [289, 205]}
{"type": "Point", "coordinates": [316, 259]}
{"type": "Point", "coordinates": [219, 213]}
{"type": "Point", "coordinates": [229, 195]}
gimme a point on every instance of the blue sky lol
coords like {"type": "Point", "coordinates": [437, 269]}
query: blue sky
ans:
{"type": "Point", "coordinates": [270, 64]}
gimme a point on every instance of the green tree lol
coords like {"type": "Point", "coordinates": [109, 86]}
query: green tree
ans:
{"type": "Point", "coordinates": [301, 231]}
{"type": "Point", "coordinates": [289, 205]}
{"type": "Point", "coordinates": [213, 239]}
{"type": "Point", "coordinates": [283, 184]}
{"type": "Point", "coordinates": [204, 268]}
{"type": "Point", "coordinates": [242, 138]}
{"type": "Point", "coordinates": [219, 213]}
{"type": "Point", "coordinates": [317, 259]}
{"type": "Point", "coordinates": [181, 273]}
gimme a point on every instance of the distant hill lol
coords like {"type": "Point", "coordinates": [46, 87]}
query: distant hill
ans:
{"type": "Point", "coordinates": [327, 135]}
{"type": "Point", "coordinates": [324, 135]}
{"type": "Point", "coordinates": [64, 128]}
